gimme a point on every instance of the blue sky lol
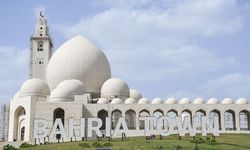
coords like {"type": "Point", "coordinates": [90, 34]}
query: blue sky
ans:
{"type": "Point", "coordinates": [163, 48]}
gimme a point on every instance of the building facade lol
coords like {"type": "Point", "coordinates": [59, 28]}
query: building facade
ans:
{"type": "Point", "coordinates": [76, 82]}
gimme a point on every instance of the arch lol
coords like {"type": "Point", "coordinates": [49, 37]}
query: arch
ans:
{"type": "Point", "coordinates": [199, 113]}
{"type": "Point", "coordinates": [244, 120]}
{"type": "Point", "coordinates": [143, 113]}
{"type": "Point", "coordinates": [157, 114]}
{"type": "Point", "coordinates": [22, 133]}
{"type": "Point", "coordinates": [102, 114]}
{"type": "Point", "coordinates": [172, 114]}
{"type": "Point", "coordinates": [215, 113]}
{"type": "Point", "coordinates": [186, 113]}
{"type": "Point", "coordinates": [116, 114]}
{"type": "Point", "coordinates": [59, 113]}
{"type": "Point", "coordinates": [19, 119]}
{"type": "Point", "coordinates": [130, 117]}
{"type": "Point", "coordinates": [229, 117]}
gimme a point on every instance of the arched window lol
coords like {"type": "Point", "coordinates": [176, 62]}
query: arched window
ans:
{"type": "Point", "coordinates": [130, 118]}
{"type": "Point", "coordinates": [143, 113]}
{"type": "Point", "coordinates": [116, 114]}
{"type": "Point", "coordinates": [229, 120]}
{"type": "Point", "coordinates": [244, 121]}
{"type": "Point", "coordinates": [22, 133]}
{"type": "Point", "coordinates": [102, 114]}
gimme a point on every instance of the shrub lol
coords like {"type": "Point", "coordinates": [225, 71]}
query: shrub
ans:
{"type": "Point", "coordinates": [9, 147]}
{"type": "Point", "coordinates": [84, 144]}
{"type": "Point", "coordinates": [198, 139]}
{"type": "Point", "coordinates": [97, 144]}
{"type": "Point", "coordinates": [26, 145]}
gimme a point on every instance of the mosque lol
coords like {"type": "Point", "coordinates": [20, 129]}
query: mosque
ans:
{"type": "Point", "coordinates": [75, 81]}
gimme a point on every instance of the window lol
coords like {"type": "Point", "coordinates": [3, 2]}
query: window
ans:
{"type": "Point", "coordinates": [22, 133]}
{"type": "Point", "coordinates": [40, 46]}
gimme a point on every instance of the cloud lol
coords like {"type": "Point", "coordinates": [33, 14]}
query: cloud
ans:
{"type": "Point", "coordinates": [184, 18]}
{"type": "Point", "coordinates": [231, 85]}
{"type": "Point", "coordinates": [168, 64]}
{"type": "Point", "coordinates": [145, 34]}
{"type": "Point", "coordinates": [157, 41]}
{"type": "Point", "coordinates": [14, 70]}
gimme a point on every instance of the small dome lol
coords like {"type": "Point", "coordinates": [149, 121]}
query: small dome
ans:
{"type": "Point", "coordinates": [116, 101]}
{"type": "Point", "coordinates": [143, 101]}
{"type": "Point", "coordinates": [227, 101]}
{"type": "Point", "coordinates": [135, 94]}
{"type": "Point", "coordinates": [242, 101]}
{"type": "Point", "coordinates": [213, 101]}
{"type": "Point", "coordinates": [157, 100]}
{"type": "Point", "coordinates": [34, 87]}
{"type": "Point", "coordinates": [66, 90]}
{"type": "Point", "coordinates": [130, 101]}
{"type": "Point", "coordinates": [185, 101]}
{"type": "Point", "coordinates": [79, 59]}
{"type": "Point", "coordinates": [198, 101]}
{"type": "Point", "coordinates": [102, 101]}
{"type": "Point", "coordinates": [115, 87]}
{"type": "Point", "coordinates": [171, 101]}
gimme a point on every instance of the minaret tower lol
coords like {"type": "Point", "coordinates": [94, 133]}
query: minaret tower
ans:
{"type": "Point", "coordinates": [40, 49]}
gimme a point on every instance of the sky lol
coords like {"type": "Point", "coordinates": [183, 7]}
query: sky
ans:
{"type": "Point", "coordinates": [163, 48]}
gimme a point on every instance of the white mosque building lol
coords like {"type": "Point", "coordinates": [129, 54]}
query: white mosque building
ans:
{"type": "Point", "coordinates": [75, 81]}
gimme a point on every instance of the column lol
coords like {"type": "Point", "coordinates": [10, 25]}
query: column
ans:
{"type": "Point", "coordinates": [222, 116]}
{"type": "Point", "coordinates": [237, 121]}
{"type": "Point", "coordinates": [137, 123]}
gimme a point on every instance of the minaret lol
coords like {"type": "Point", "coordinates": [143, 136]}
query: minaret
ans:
{"type": "Point", "coordinates": [40, 49]}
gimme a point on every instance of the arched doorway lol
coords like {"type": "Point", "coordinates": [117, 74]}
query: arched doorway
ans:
{"type": "Point", "coordinates": [143, 113]}
{"type": "Point", "coordinates": [102, 114]}
{"type": "Point", "coordinates": [244, 121]}
{"type": "Point", "coordinates": [130, 118]}
{"type": "Point", "coordinates": [116, 114]}
{"type": "Point", "coordinates": [58, 114]}
{"type": "Point", "coordinates": [19, 122]}
{"type": "Point", "coordinates": [229, 120]}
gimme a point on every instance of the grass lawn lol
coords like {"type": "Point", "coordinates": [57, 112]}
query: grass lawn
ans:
{"type": "Point", "coordinates": [223, 142]}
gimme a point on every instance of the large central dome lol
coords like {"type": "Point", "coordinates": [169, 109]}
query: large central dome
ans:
{"type": "Point", "coordinates": [79, 59]}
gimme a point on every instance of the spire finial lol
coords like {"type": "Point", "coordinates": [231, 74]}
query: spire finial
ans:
{"type": "Point", "coordinates": [41, 14]}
